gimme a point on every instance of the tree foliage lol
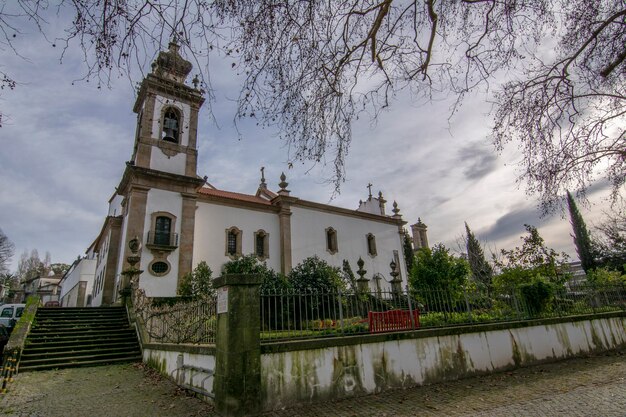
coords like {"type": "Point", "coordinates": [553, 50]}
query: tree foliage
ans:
{"type": "Point", "coordinates": [610, 246]}
{"type": "Point", "coordinates": [311, 68]}
{"type": "Point", "coordinates": [409, 256]}
{"type": "Point", "coordinates": [315, 275]}
{"type": "Point", "coordinates": [197, 283]}
{"type": "Point", "coordinates": [530, 262]}
{"type": "Point", "coordinates": [438, 273]}
{"type": "Point", "coordinates": [273, 282]}
{"type": "Point", "coordinates": [482, 272]}
{"type": "Point", "coordinates": [7, 249]}
{"type": "Point", "coordinates": [582, 239]}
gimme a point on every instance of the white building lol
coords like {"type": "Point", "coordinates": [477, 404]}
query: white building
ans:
{"type": "Point", "coordinates": [77, 283]}
{"type": "Point", "coordinates": [182, 220]}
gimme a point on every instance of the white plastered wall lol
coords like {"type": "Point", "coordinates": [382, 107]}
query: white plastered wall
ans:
{"type": "Point", "coordinates": [160, 286]}
{"type": "Point", "coordinates": [212, 220]}
{"type": "Point", "coordinates": [308, 238]}
{"type": "Point", "coordinates": [159, 160]}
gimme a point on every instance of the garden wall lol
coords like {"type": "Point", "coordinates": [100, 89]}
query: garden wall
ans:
{"type": "Point", "coordinates": [314, 370]}
{"type": "Point", "coordinates": [191, 366]}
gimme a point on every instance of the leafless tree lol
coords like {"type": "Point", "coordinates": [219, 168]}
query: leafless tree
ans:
{"type": "Point", "coordinates": [312, 68]}
{"type": "Point", "coordinates": [7, 249]}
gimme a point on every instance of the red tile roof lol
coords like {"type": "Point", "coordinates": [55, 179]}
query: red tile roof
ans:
{"type": "Point", "coordinates": [233, 196]}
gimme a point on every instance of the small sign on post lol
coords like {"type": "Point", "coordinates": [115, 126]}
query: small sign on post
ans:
{"type": "Point", "coordinates": [222, 300]}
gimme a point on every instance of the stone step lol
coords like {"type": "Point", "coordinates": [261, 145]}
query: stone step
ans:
{"type": "Point", "coordinates": [28, 357]}
{"type": "Point", "coordinates": [79, 334]}
{"type": "Point", "coordinates": [75, 364]}
{"type": "Point", "coordinates": [71, 342]}
{"type": "Point", "coordinates": [77, 325]}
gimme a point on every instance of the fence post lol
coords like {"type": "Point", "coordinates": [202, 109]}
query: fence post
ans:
{"type": "Point", "coordinates": [408, 298]}
{"type": "Point", "coordinates": [237, 381]}
{"type": "Point", "coordinates": [340, 301]}
{"type": "Point", "coordinates": [467, 305]}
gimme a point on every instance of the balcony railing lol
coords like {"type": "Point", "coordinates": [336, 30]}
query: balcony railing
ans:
{"type": "Point", "coordinates": [162, 239]}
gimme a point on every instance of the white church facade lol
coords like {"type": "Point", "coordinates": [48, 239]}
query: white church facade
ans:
{"type": "Point", "coordinates": [181, 219]}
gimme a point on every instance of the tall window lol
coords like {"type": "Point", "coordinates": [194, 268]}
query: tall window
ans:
{"type": "Point", "coordinates": [162, 231]}
{"type": "Point", "coordinates": [371, 244]}
{"type": "Point", "coordinates": [261, 245]}
{"type": "Point", "coordinates": [331, 240]}
{"type": "Point", "coordinates": [171, 126]}
{"type": "Point", "coordinates": [233, 242]}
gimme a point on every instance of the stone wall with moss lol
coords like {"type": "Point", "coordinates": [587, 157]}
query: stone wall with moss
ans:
{"type": "Point", "coordinates": [310, 371]}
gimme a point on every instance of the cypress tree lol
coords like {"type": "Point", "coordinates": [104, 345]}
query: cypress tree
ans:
{"type": "Point", "coordinates": [582, 240]}
{"type": "Point", "coordinates": [409, 256]}
{"type": "Point", "coordinates": [482, 272]}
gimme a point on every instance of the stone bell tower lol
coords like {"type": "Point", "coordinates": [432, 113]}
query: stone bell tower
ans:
{"type": "Point", "coordinates": [160, 181]}
{"type": "Point", "coordinates": [167, 116]}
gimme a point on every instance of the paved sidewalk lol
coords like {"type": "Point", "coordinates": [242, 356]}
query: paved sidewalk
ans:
{"type": "Point", "coordinates": [593, 386]}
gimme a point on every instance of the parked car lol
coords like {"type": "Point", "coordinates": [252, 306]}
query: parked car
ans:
{"type": "Point", "coordinates": [52, 304]}
{"type": "Point", "coordinates": [10, 314]}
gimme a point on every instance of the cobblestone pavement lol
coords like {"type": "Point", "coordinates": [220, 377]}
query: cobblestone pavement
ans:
{"type": "Point", "coordinates": [594, 386]}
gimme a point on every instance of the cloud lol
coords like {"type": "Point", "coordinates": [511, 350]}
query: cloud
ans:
{"type": "Point", "coordinates": [511, 223]}
{"type": "Point", "coordinates": [478, 161]}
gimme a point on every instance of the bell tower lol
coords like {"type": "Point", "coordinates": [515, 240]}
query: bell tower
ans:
{"type": "Point", "coordinates": [167, 116]}
{"type": "Point", "coordinates": [159, 185]}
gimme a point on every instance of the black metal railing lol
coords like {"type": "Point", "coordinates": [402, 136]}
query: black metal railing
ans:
{"type": "Point", "coordinates": [156, 238]}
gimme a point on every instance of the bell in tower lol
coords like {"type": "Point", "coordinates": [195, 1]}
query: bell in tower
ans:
{"type": "Point", "coordinates": [170, 127]}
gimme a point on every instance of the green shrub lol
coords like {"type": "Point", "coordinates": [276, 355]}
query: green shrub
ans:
{"type": "Point", "coordinates": [536, 295]}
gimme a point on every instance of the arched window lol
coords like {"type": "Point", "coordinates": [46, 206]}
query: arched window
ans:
{"type": "Point", "coordinates": [162, 231]}
{"type": "Point", "coordinates": [371, 244]}
{"type": "Point", "coordinates": [171, 126]}
{"type": "Point", "coordinates": [261, 244]}
{"type": "Point", "coordinates": [233, 242]}
{"type": "Point", "coordinates": [331, 240]}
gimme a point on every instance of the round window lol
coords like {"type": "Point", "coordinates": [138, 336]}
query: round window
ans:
{"type": "Point", "coordinates": [160, 268]}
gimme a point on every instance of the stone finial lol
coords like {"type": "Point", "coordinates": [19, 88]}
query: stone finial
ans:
{"type": "Point", "coordinates": [195, 81]}
{"type": "Point", "coordinates": [169, 64]}
{"type": "Point", "coordinates": [396, 210]}
{"type": "Point", "coordinates": [263, 184]}
{"type": "Point", "coordinates": [283, 185]}
{"type": "Point", "coordinates": [360, 263]}
{"type": "Point", "coordinates": [394, 273]}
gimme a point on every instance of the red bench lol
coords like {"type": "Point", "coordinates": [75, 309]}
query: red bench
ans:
{"type": "Point", "coordinates": [389, 321]}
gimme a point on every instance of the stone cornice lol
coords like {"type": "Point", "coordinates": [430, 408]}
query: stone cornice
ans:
{"type": "Point", "coordinates": [205, 198]}
{"type": "Point", "coordinates": [139, 177]}
{"type": "Point", "coordinates": [167, 88]}
{"type": "Point", "coordinates": [345, 212]}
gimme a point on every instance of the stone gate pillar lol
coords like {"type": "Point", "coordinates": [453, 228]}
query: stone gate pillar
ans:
{"type": "Point", "coordinates": [237, 380]}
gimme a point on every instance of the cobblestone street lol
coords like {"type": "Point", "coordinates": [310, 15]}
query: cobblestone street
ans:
{"type": "Point", "coordinates": [594, 386]}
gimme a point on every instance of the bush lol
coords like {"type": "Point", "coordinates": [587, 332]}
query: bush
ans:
{"type": "Point", "coordinates": [315, 275]}
{"type": "Point", "coordinates": [197, 283]}
{"type": "Point", "coordinates": [536, 295]}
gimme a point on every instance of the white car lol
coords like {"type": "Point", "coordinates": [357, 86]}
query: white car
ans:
{"type": "Point", "coordinates": [10, 314]}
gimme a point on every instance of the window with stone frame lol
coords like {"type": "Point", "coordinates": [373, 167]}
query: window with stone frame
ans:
{"type": "Point", "coordinates": [331, 240]}
{"type": "Point", "coordinates": [371, 244]}
{"type": "Point", "coordinates": [233, 242]}
{"type": "Point", "coordinates": [261, 244]}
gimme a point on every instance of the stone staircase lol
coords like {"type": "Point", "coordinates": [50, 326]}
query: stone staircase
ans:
{"type": "Point", "coordinates": [71, 337]}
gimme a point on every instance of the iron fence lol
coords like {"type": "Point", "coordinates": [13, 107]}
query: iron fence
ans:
{"type": "Point", "coordinates": [299, 315]}
{"type": "Point", "coordinates": [176, 320]}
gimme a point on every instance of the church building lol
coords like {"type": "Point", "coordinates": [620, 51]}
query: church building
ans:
{"type": "Point", "coordinates": [181, 219]}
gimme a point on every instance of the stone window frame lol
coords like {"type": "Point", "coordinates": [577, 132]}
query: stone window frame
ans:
{"type": "Point", "coordinates": [239, 235]}
{"type": "Point", "coordinates": [332, 246]}
{"type": "Point", "coordinates": [266, 246]}
{"type": "Point", "coordinates": [179, 114]}
{"type": "Point", "coordinates": [159, 274]}
{"type": "Point", "coordinates": [370, 241]}
{"type": "Point", "coordinates": [153, 219]}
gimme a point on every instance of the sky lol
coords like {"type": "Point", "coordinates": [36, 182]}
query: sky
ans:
{"type": "Point", "coordinates": [65, 142]}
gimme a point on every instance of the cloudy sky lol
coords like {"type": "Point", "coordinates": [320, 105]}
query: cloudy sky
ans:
{"type": "Point", "coordinates": [64, 144]}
